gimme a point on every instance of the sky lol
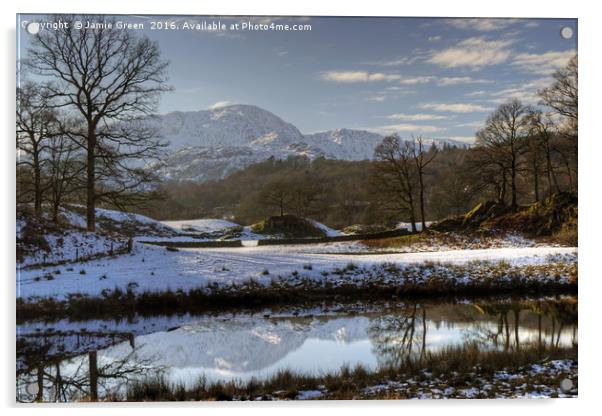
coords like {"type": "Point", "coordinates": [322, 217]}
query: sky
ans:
{"type": "Point", "coordinates": [435, 77]}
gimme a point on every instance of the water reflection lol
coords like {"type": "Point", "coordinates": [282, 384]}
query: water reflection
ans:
{"type": "Point", "coordinates": [64, 366]}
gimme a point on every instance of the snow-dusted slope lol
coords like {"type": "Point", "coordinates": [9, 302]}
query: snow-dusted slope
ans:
{"type": "Point", "coordinates": [345, 143]}
{"type": "Point", "coordinates": [327, 230]}
{"type": "Point", "coordinates": [201, 225]}
{"type": "Point", "coordinates": [124, 222]}
{"type": "Point", "coordinates": [211, 144]}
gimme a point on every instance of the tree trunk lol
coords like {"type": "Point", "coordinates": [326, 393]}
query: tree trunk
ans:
{"type": "Point", "coordinates": [93, 369]}
{"type": "Point", "coordinates": [513, 184]}
{"type": "Point", "coordinates": [412, 215]}
{"type": "Point", "coordinates": [423, 350]}
{"type": "Point", "coordinates": [536, 179]}
{"type": "Point", "coordinates": [516, 328]}
{"type": "Point", "coordinates": [550, 171]}
{"type": "Point", "coordinates": [91, 181]}
{"type": "Point", "coordinates": [507, 327]}
{"type": "Point", "coordinates": [55, 212]}
{"type": "Point", "coordinates": [422, 201]}
{"type": "Point", "coordinates": [37, 184]}
{"type": "Point", "coordinates": [568, 172]}
{"type": "Point", "coordinates": [40, 380]}
{"type": "Point", "coordinates": [502, 190]}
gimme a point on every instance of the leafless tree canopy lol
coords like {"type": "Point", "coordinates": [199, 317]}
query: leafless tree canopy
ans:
{"type": "Point", "coordinates": [503, 138]}
{"type": "Point", "coordinates": [108, 79]}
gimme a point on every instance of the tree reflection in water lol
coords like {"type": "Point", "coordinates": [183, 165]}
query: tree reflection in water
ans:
{"type": "Point", "coordinates": [85, 377]}
{"type": "Point", "coordinates": [400, 338]}
{"type": "Point", "coordinates": [403, 338]}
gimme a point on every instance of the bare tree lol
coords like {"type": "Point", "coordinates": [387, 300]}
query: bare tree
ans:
{"type": "Point", "coordinates": [108, 78]}
{"type": "Point", "coordinates": [504, 138]}
{"type": "Point", "coordinates": [395, 174]}
{"type": "Point", "coordinates": [305, 194]}
{"type": "Point", "coordinates": [485, 171]}
{"type": "Point", "coordinates": [277, 194]}
{"type": "Point", "coordinates": [64, 167]}
{"type": "Point", "coordinates": [36, 124]}
{"type": "Point", "coordinates": [422, 158]}
{"type": "Point", "coordinates": [544, 128]}
{"type": "Point", "coordinates": [563, 97]}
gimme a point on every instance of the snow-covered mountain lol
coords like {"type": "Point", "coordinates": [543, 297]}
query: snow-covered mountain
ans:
{"type": "Point", "coordinates": [230, 126]}
{"type": "Point", "coordinates": [211, 144]}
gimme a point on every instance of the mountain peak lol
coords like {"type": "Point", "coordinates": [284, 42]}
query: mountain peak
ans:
{"type": "Point", "coordinates": [232, 125]}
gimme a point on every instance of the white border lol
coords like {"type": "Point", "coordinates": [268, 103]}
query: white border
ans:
{"type": "Point", "coordinates": [589, 166]}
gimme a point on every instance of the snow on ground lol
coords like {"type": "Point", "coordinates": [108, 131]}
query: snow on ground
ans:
{"type": "Point", "coordinates": [408, 225]}
{"type": "Point", "coordinates": [327, 230]}
{"type": "Point", "coordinates": [157, 269]}
{"type": "Point", "coordinates": [309, 394]}
{"type": "Point", "coordinates": [527, 384]}
{"type": "Point", "coordinates": [72, 246]}
{"type": "Point", "coordinates": [201, 225]}
{"type": "Point", "coordinates": [70, 242]}
{"type": "Point", "coordinates": [116, 220]}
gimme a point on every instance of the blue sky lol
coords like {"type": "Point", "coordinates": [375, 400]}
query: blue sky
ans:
{"type": "Point", "coordinates": [432, 77]}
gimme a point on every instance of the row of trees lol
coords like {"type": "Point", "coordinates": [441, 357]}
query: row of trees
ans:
{"type": "Point", "coordinates": [79, 129]}
{"type": "Point", "coordinates": [521, 153]}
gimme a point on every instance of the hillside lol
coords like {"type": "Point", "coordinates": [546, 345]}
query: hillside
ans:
{"type": "Point", "coordinates": [554, 217]}
{"type": "Point", "coordinates": [41, 241]}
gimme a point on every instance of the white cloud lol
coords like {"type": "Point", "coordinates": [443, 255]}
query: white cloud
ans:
{"type": "Point", "coordinates": [416, 80]}
{"type": "Point", "coordinates": [446, 81]}
{"type": "Point", "coordinates": [434, 38]}
{"type": "Point", "coordinates": [415, 56]}
{"type": "Point", "coordinates": [456, 108]}
{"type": "Point", "coordinates": [532, 23]}
{"type": "Point", "coordinates": [405, 128]}
{"type": "Point", "coordinates": [471, 124]}
{"type": "Point", "coordinates": [379, 76]}
{"type": "Point", "coordinates": [400, 90]}
{"type": "Point", "coordinates": [525, 92]}
{"type": "Point", "coordinates": [365, 76]}
{"type": "Point", "coordinates": [473, 52]}
{"type": "Point", "coordinates": [479, 93]}
{"type": "Point", "coordinates": [357, 76]}
{"type": "Point", "coordinates": [377, 98]}
{"type": "Point", "coordinates": [219, 104]}
{"type": "Point", "coordinates": [544, 63]}
{"type": "Point", "coordinates": [481, 24]}
{"type": "Point", "coordinates": [417, 117]}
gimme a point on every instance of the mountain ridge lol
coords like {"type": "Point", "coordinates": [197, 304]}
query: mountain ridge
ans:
{"type": "Point", "coordinates": [211, 144]}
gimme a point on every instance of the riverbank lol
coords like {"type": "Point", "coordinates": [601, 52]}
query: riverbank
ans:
{"type": "Point", "coordinates": [556, 274]}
